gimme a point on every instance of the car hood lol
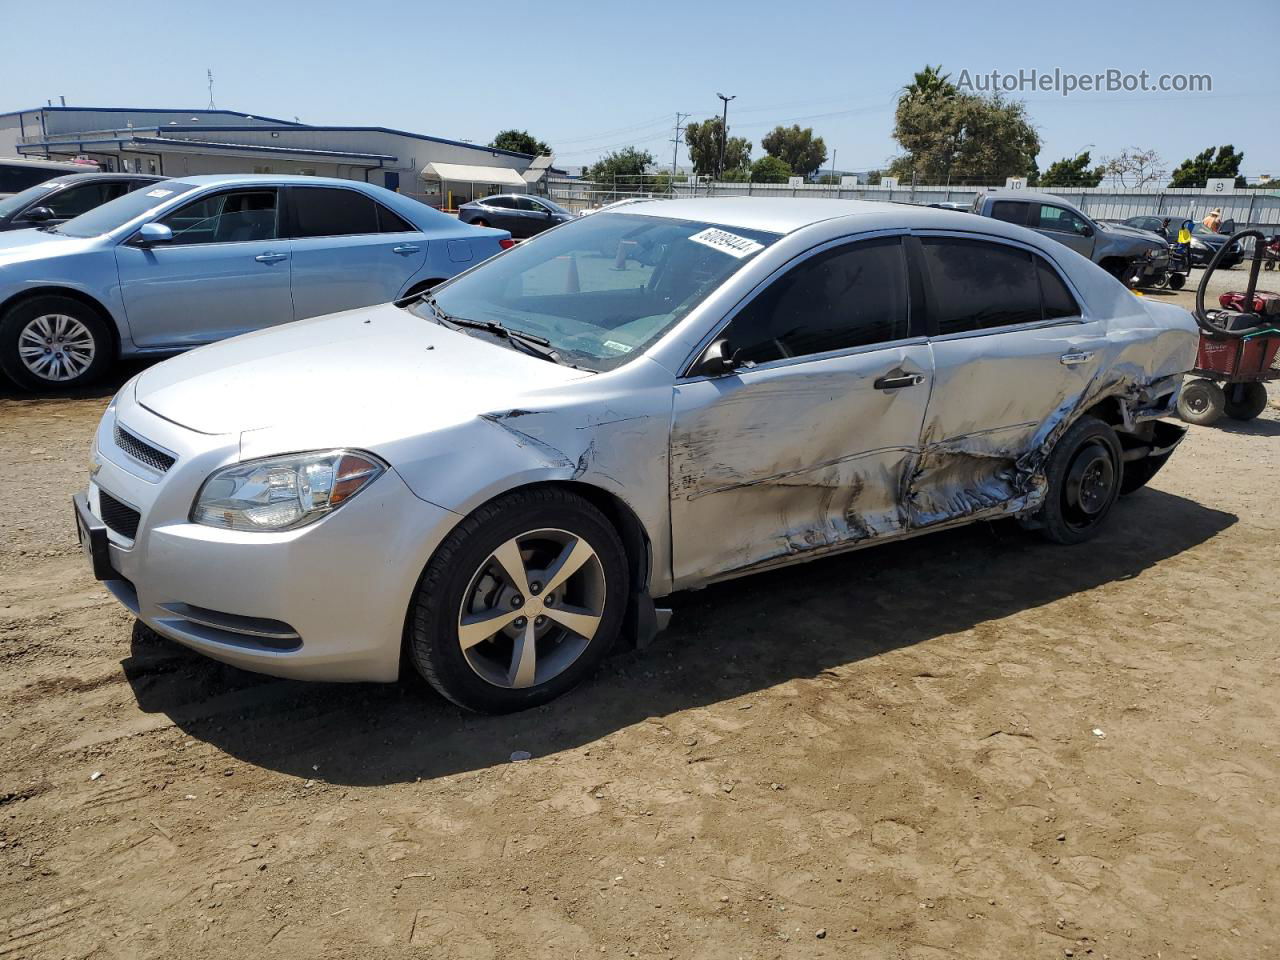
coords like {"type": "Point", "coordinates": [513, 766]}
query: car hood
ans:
{"type": "Point", "coordinates": [355, 378]}
{"type": "Point", "coordinates": [17, 246]}
{"type": "Point", "coordinates": [1121, 230]}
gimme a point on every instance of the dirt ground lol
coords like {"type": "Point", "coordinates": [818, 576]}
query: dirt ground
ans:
{"type": "Point", "coordinates": [971, 745]}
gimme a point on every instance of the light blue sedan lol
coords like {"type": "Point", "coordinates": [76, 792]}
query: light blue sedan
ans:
{"type": "Point", "coordinates": [199, 259]}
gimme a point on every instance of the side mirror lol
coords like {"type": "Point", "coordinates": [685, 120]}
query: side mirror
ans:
{"type": "Point", "coordinates": [38, 215]}
{"type": "Point", "coordinates": [1087, 231]}
{"type": "Point", "coordinates": [149, 234]}
{"type": "Point", "coordinates": [717, 360]}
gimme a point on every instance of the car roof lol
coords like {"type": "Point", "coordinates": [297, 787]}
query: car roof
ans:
{"type": "Point", "coordinates": [77, 177]}
{"type": "Point", "coordinates": [788, 214]}
{"type": "Point", "coordinates": [232, 179]}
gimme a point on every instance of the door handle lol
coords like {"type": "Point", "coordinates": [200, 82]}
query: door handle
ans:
{"type": "Point", "coordinates": [1071, 359]}
{"type": "Point", "coordinates": [404, 248]}
{"type": "Point", "coordinates": [271, 257]}
{"type": "Point", "coordinates": [895, 381]}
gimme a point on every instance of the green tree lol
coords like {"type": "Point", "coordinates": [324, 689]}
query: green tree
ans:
{"type": "Point", "coordinates": [627, 166]}
{"type": "Point", "coordinates": [963, 138]}
{"type": "Point", "coordinates": [1073, 172]}
{"type": "Point", "coordinates": [704, 139]}
{"type": "Point", "coordinates": [1196, 171]}
{"type": "Point", "coordinates": [770, 169]}
{"type": "Point", "coordinates": [799, 149]}
{"type": "Point", "coordinates": [519, 141]}
{"type": "Point", "coordinates": [928, 84]}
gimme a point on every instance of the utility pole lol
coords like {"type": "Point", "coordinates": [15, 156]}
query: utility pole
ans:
{"type": "Point", "coordinates": [675, 143]}
{"type": "Point", "coordinates": [835, 179]}
{"type": "Point", "coordinates": [724, 131]}
{"type": "Point", "coordinates": [209, 73]}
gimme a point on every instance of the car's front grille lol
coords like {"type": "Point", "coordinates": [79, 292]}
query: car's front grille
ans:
{"type": "Point", "coordinates": [120, 517]}
{"type": "Point", "coordinates": [142, 451]}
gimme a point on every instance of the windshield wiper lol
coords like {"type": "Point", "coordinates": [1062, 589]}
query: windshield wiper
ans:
{"type": "Point", "coordinates": [529, 343]}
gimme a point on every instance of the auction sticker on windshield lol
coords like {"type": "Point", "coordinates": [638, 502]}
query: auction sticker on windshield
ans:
{"type": "Point", "coordinates": [159, 194]}
{"type": "Point", "coordinates": [726, 242]}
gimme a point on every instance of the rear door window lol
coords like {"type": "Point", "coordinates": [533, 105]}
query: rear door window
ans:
{"type": "Point", "coordinates": [1010, 211]}
{"type": "Point", "coordinates": [1058, 301]}
{"type": "Point", "coordinates": [978, 285]}
{"type": "Point", "coordinates": [332, 212]}
{"type": "Point", "coordinates": [389, 222]}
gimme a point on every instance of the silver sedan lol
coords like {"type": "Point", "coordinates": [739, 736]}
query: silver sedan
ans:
{"type": "Point", "coordinates": [503, 477]}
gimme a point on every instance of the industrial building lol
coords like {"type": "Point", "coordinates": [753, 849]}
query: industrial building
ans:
{"type": "Point", "coordinates": [176, 143]}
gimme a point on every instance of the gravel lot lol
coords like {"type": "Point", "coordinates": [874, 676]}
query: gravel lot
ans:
{"type": "Point", "coordinates": [974, 744]}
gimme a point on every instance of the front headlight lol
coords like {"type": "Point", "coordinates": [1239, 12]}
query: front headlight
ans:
{"type": "Point", "coordinates": [1198, 244]}
{"type": "Point", "coordinates": [283, 493]}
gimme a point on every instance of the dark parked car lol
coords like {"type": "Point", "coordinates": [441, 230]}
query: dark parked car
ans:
{"type": "Point", "coordinates": [1204, 242]}
{"type": "Point", "coordinates": [520, 213]}
{"type": "Point", "coordinates": [59, 199]}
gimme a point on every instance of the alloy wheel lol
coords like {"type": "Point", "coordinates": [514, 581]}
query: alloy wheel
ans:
{"type": "Point", "coordinates": [532, 608]}
{"type": "Point", "coordinates": [56, 347]}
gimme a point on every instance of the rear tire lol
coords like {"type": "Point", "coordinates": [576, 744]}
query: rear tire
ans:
{"type": "Point", "coordinates": [54, 342]}
{"type": "Point", "coordinates": [1253, 400]}
{"type": "Point", "coordinates": [468, 633]}
{"type": "Point", "coordinates": [1177, 281]}
{"type": "Point", "coordinates": [1201, 402]}
{"type": "Point", "coordinates": [1084, 473]}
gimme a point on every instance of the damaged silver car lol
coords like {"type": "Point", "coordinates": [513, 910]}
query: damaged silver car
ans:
{"type": "Point", "coordinates": [501, 477]}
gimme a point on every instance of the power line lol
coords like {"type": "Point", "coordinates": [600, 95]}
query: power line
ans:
{"type": "Point", "coordinates": [675, 141]}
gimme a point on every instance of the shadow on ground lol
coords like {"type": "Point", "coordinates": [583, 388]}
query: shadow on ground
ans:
{"type": "Point", "coordinates": [726, 641]}
{"type": "Point", "coordinates": [113, 380]}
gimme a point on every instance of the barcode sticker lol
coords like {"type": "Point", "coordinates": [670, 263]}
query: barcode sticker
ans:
{"type": "Point", "coordinates": [159, 194]}
{"type": "Point", "coordinates": [726, 242]}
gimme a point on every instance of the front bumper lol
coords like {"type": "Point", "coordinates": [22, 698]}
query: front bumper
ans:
{"type": "Point", "coordinates": [324, 602]}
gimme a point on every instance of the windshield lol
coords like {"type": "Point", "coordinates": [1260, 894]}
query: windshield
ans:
{"type": "Point", "coordinates": [601, 289]}
{"type": "Point", "coordinates": [121, 210]}
{"type": "Point", "coordinates": [553, 205]}
{"type": "Point", "coordinates": [11, 205]}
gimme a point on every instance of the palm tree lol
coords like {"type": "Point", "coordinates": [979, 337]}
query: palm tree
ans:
{"type": "Point", "coordinates": [929, 83]}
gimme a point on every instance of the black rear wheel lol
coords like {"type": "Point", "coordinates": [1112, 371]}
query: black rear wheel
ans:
{"type": "Point", "coordinates": [1084, 473]}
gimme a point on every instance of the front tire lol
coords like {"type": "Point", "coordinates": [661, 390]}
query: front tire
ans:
{"type": "Point", "coordinates": [1084, 473]}
{"type": "Point", "coordinates": [54, 342]}
{"type": "Point", "coordinates": [520, 603]}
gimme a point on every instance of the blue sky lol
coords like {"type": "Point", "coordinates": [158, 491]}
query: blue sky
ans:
{"type": "Point", "coordinates": [593, 77]}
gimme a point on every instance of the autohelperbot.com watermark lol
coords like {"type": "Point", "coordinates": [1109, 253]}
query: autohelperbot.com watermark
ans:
{"type": "Point", "coordinates": [1066, 82]}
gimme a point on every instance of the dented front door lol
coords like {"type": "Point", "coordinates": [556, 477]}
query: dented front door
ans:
{"type": "Point", "coordinates": [802, 457]}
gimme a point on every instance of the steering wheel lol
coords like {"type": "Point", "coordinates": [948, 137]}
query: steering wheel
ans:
{"type": "Point", "coordinates": [1202, 317]}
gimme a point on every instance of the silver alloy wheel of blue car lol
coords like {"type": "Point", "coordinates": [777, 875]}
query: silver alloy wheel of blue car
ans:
{"type": "Point", "coordinates": [532, 608]}
{"type": "Point", "coordinates": [56, 347]}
